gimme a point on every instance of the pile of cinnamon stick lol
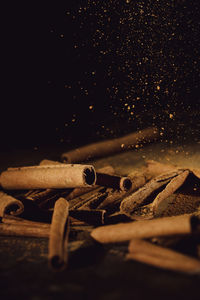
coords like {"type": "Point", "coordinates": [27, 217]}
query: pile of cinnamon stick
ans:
{"type": "Point", "coordinates": [55, 198]}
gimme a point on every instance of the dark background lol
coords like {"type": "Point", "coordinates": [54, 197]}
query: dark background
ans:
{"type": "Point", "coordinates": [81, 71]}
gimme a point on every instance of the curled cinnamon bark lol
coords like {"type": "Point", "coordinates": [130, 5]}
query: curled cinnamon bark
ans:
{"type": "Point", "coordinates": [131, 202]}
{"type": "Point", "coordinates": [10, 205]}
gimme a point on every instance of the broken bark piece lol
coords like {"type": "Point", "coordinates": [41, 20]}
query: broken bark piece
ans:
{"type": "Point", "coordinates": [76, 222]}
{"type": "Point", "coordinates": [108, 147]}
{"type": "Point", "coordinates": [77, 202]}
{"type": "Point", "coordinates": [94, 201]}
{"type": "Point", "coordinates": [10, 205]}
{"type": "Point", "coordinates": [54, 176]}
{"type": "Point", "coordinates": [42, 195]}
{"type": "Point", "coordinates": [161, 257]}
{"type": "Point", "coordinates": [116, 218]}
{"type": "Point", "coordinates": [58, 239]}
{"type": "Point", "coordinates": [169, 226]}
{"type": "Point", "coordinates": [112, 200]}
{"type": "Point", "coordinates": [90, 216]}
{"type": "Point", "coordinates": [130, 203]}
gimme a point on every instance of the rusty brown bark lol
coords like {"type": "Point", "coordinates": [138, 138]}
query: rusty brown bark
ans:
{"type": "Point", "coordinates": [54, 176]}
{"type": "Point", "coordinates": [109, 147]}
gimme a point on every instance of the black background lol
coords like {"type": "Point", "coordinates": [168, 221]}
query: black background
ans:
{"type": "Point", "coordinates": [73, 71]}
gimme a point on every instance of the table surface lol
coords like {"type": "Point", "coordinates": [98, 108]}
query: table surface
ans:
{"type": "Point", "coordinates": [94, 272]}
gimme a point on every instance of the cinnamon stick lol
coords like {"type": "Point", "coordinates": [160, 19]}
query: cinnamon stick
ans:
{"type": "Point", "coordinates": [54, 176]}
{"type": "Point", "coordinates": [10, 205]}
{"type": "Point", "coordinates": [46, 198]}
{"type": "Point", "coordinates": [114, 181]}
{"type": "Point", "coordinates": [168, 226]}
{"type": "Point", "coordinates": [59, 231]}
{"type": "Point", "coordinates": [105, 148]}
{"type": "Point", "coordinates": [164, 258]}
{"type": "Point", "coordinates": [8, 229]}
{"type": "Point", "coordinates": [46, 162]}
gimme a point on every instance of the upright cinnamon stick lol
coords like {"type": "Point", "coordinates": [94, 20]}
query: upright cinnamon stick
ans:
{"type": "Point", "coordinates": [59, 235]}
{"type": "Point", "coordinates": [109, 147]}
{"type": "Point", "coordinates": [54, 176]}
{"type": "Point", "coordinates": [10, 205]}
{"type": "Point", "coordinates": [164, 258]}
